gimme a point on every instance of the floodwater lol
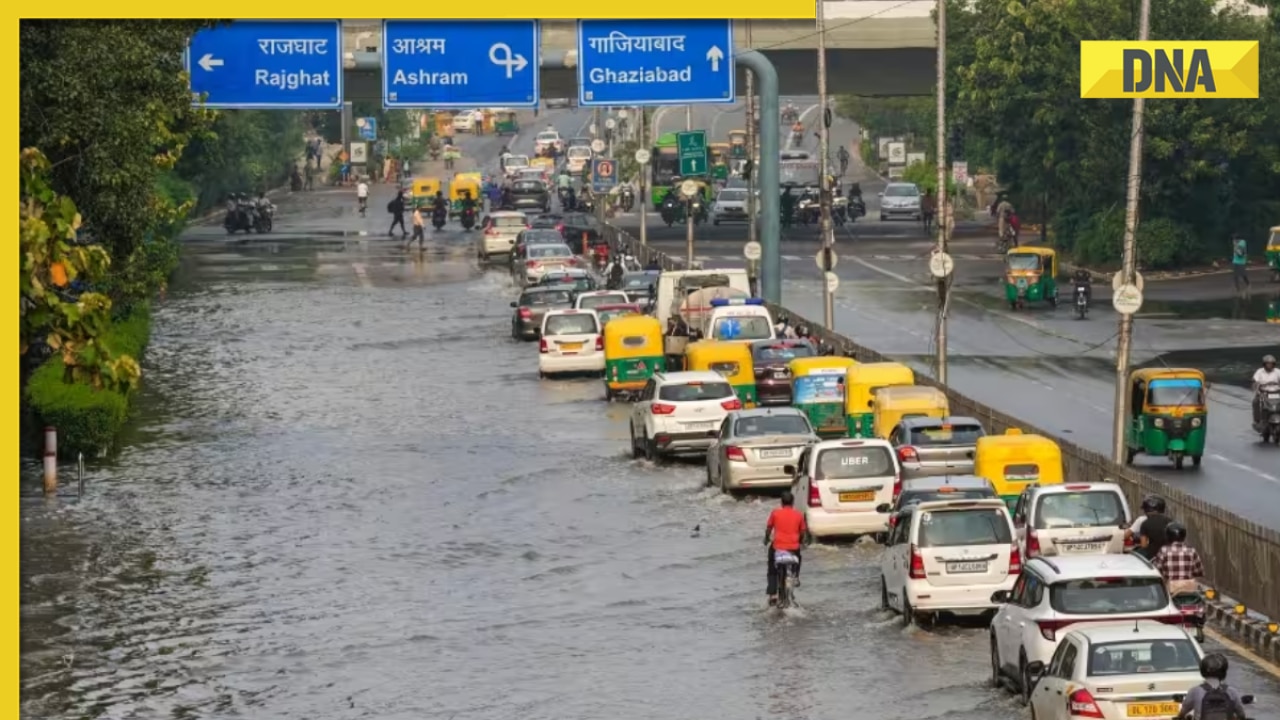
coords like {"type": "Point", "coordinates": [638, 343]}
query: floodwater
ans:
{"type": "Point", "coordinates": [347, 495]}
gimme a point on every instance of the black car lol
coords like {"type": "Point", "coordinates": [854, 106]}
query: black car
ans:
{"type": "Point", "coordinates": [639, 286]}
{"type": "Point", "coordinates": [551, 221]}
{"type": "Point", "coordinates": [530, 194]}
{"type": "Point", "coordinates": [575, 224]}
{"type": "Point", "coordinates": [572, 280]}
{"type": "Point", "coordinates": [526, 321]}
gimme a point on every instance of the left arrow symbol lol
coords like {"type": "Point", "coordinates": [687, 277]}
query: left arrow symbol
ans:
{"type": "Point", "coordinates": [209, 62]}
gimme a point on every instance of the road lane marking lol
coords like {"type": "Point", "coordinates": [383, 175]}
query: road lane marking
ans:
{"type": "Point", "coordinates": [1241, 466]}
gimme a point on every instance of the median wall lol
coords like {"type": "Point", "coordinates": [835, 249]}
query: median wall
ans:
{"type": "Point", "coordinates": [1242, 558]}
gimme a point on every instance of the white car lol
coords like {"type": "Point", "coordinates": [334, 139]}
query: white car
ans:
{"type": "Point", "coordinates": [754, 448]}
{"type": "Point", "coordinates": [499, 233]}
{"type": "Point", "coordinates": [1053, 594]}
{"type": "Point", "coordinates": [513, 165]}
{"type": "Point", "coordinates": [900, 200]}
{"type": "Point", "coordinates": [595, 298]}
{"type": "Point", "coordinates": [842, 483]}
{"type": "Point", "coordinates": [948, 556]}
{"type": "Point", "coordinates": [1117, 671]}
{"type": "Point", "coordinates": [730, 206]}
{"type": "Point", "coordinates": [464, 121]}
{"type": "Point", "coordinates": [1072, 519]}
{"type": "Point", "coordinates": [547, 138]}
{"type": "Point", "coordinates": [577, 158]}
{"type": "Point", "coordinates": [680, 413]}
{"type": "Point", "coordinates": [571, 343]}
{"type": "Point", "coordinates": [543, 259]}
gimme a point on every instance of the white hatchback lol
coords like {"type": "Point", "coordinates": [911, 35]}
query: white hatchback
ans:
{"type": "Point", "coordinates": [593, 299]}
{"type": "Point", "coordinates": [948, 556]}
{"type": "Point", "coordinates": [570, 343]}
{"type": "Point", "coordinates": [543, 259]}
{"type": "Point", "coordinates": [680, 413]}
{"type": "Point", "coordinates": [500, 232]}
{"type": "Point", "coordinates": [843, 482]}
{"type": "Point", "coordinates": [464, 121]}
{"type": "Point", "coordinates": [1072, 519]}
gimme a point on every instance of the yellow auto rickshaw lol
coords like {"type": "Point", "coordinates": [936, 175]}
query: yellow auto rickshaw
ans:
{"type": "Point", "coordinates": [632, 354]}
{"type": "Point", "coordinates": [730, 359]}
{"type": "Point", "coordinates": [1014, 461]}
{"type": "Point", "coordinates": [817, 390]}
{"type": "Point", "coordinates": [424, 192]}
{"type": "Point", "coordinates": [1168, 415]}
{"type": "Point", "coordinates": [891, 404]}
{"type": "Point", "coordinates": [462, 183]}
{"type": "Point", "coordinates": [738, 144]}
{"type": "Point", "coordinates": [1273, 253]}
{"type": "Point", "coordinates": [1030, 275]}
{"type": "Point", "coordinates": [860, 382]}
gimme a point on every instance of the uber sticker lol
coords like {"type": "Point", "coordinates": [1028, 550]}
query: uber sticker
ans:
{"type": "Point", "coordinates": [857, 460]}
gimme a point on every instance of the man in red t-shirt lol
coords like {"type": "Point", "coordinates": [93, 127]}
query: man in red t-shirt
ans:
{"type": "Point", "coordinates": [786, 530]}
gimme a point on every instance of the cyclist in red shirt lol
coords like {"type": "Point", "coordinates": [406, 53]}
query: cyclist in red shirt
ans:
{"type": "Point", "coordinates": [786, 530]}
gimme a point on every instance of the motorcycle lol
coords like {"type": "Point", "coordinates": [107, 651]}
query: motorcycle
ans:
{"type": "Point", "coordinates": [797, 138]}
{"type": "Point", "coordinates": [1192, 606]}
{"type": "Point", "coordinates": [1081, 295]}
{"type": "Point", "coordinates": [628, 199]}
{"type": "Point", "coordinates": [600, 254]}
{"type": "Point", "coordinates": [264, 216]}
{"type": "Point", "coordinates": [840, 211]}
{"type": "Point", "coordinates": [565, 204]}
{"type": "Point", "coordinates": [672, 211]}
{"type": "Point", "coordinates": [1006, 241]}
{"type": "Point", "coordinates": [808, 211]}
{"type": "Point", "coordinates": [239, 217]}
{"type": "Point", "coordinates": [468, 218]}
{"type": "Point", "coordinates": [1268, 426]}
{"type": "Point", "coordinates": [439, 218]}
{"type": "Point", "coordinates": [586, 205]}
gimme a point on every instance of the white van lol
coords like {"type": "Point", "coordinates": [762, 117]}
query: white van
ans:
{"type": "Point", "coordinates": [1072, 519]}
{"type": "Point", "coordinates": [570, 343]}
{"type": "Point", "coordinates": [842, 484]}
{"type": "Point", "coordinates": [676, 285]}
{"type": "Point", "coordinates": [739, 319]}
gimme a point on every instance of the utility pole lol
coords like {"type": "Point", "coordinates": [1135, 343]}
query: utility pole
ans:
{"type": "Point", "coordinates": [688, 117]}
{"type": "Point", "coordinates": [824, 180]}
{"type": "Point", "coordinates": [595, 123]}
{"type": "Point", "coordinates": [942, 215]}
{"type": "Point", "coordinates": [750, 150]}
{"type": "Point", "coordinates": [643, 197]}
{"type": "Point", "coordinates": [1130, 257]}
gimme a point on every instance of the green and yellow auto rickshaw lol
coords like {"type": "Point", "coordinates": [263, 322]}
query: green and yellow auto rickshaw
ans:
{"type": "Point", "coordinates": [730, 359]}
{"type": "Point", "coordinates": [1030, 275]}
{"type": "Point", "coordinates": [505, 123]}
{"type": "Point", "coordinates": [1167, 416]}
{"type": "Point", "coordinates": [817, 389]}
{"type": "Point", "coordinates": [1273, 310]}
{"type": "Point", "coordinates": [719, 153]}
{"type": "Point", "coordinates": [738, 144]}
{"type": "Point", "coordinates": [1273, 253]}
{"type": "Point", "coordinates": [860, 383]}
{"type": "Point", "coordinates": [632, 354]}
{"type": "Point", "coordinates": [424, 192]}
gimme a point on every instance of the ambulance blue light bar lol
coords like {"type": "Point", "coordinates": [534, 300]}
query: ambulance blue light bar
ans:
{"type": "Point", "coordinates": [726, 302]}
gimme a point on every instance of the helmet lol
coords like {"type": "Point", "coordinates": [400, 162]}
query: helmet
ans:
{"type": "Point", "coordinates": [1268, 359]}
{"type": "Point", "coordinates": [1175, 532]}
{"type": "Point", "coordinates": [1214, 665]}
{"type": "Point", "coordinates": [1153, 503]}
{"type": "Point", "coordinates": [802, 330]}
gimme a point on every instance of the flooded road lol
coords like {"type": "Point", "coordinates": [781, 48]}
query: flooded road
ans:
{"type": "Point", "coordinates": [346, 495]}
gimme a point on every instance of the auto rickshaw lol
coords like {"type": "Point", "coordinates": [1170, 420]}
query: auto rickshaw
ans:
{"type": "Point", "coordinates": [1013, 461]}
{"type": "Point", "coordinates": [1030, 275]}
{"type": "Point", "coordinates": [424, 192]}
{"type": "Point", "coordinates": [719, 158]}
{"type": "Point", "coordinates": [730, 359]}
{"type": "Point", "coordinates": [545, 164]}
{"type": "Point", "coordinates": [1273, 310]}
{"type": "Point", "coordinates": [505, 123]}
{"type": "Point", "coordinates": [462, 182]}
{"type": "Point", "coordinates": [738, 144]}
{"type": "Point", "coordinates": [817, 389]}
{"type": "Point", "coordinates": [1273, 253]}
{"type": "Point", "coordinates": [860, 382]}
{"type": "Point", "coordinates": [1168, 415]}
{"type": "Point", "coordinates": [632, 354]}
{"type": "Point", "coordinates": [890, 404]}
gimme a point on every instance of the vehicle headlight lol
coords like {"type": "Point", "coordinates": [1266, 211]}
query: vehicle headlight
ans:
{"type": "Point", "coordinates": [1159, 422]}
{"type": "Point", "coordinates": [1195, 422]}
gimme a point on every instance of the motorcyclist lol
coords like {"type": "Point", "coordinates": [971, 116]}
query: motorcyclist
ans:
{"type": "Point", "coordinates": [439, 208]}
{"type": "Point", "coordinates": [1267, 375]}
{"type": "Point", "coordinates": [788, 207]}
{"type": "Point", "coordinates": [783, 327]}
{"type": "Point", "coordinates": [804, 332]}
{"type": "Point", "coordinates": [1150, 530]}
{"type": "Point", "coordinates": [797, 132]}
{"type": "Point", "coordinates": [1003, 211]}
{"type": "Point", "coordinates": [842, 155]}
{"type": "Point", "coordinates": [1178, 562]}
{"type": "Point", "coordinates": [1213, 699]}
{"type": "Point", "coordinates": [1083, 278]}
{"type": "Point", "coordinates": [785, 530]}
{"type": "Point", "coordinates": [615, 274]}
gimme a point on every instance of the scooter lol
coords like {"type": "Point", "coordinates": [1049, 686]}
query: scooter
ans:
{"type": "Point", "coordinates": [1081, 295]}
{"type": "Point", "coordinates": [1192, 606]}
{"type": "Point", "coordinates": [628, 199]}
{"type": "Point", "coordinates": [439, 218]}
{"type": "Point", "coordinates": [239, 217]}
{"type": "Point", "coordinates": [671, 212]}
{"type": "Point", "coordinates": [468, 219]}
{"type": "Point", "coordinates": [1269, 426]}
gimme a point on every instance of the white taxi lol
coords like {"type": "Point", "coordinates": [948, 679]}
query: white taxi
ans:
{"type": "Point", "coordinates": [571, 343]}
{"type": "Point", "coordinates": [513, 165]}
{"type": "Point", "coordinates": [593, 299]}
{"type": "Point", "coordinates": [843, 483]}
{"type": "Point", "coordinates": [547, 138]}
{"type": "Point", "coordinates": [576, 158]}
{"type": "Point", "coordinates": [1072, 519]}
{"type": "Point", "coordinates": [500, 232]}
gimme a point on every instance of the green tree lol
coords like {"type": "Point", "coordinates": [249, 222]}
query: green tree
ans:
{"type": "Point", "coordinates": [242, 151]}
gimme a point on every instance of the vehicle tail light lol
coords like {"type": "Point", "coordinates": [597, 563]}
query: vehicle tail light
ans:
{"type": "Point", "coordinates": [542, 346]}
{"type": "Point", "coordinates": [897, 485]}
{"type": "Point", "coordinates": [732, 404]}
{"type": "Point", "coordinates": [1128, 538]}
{"type": "Point", "coordinates": [531, 263]}
{"type": "Point", "coordinates": [1081, 704]}
{"type": "Point", "coordinates": [917, 564]}
{"type": "Point", "coordinates": [491, 230]}
{"type": "Point", "coordinates": [1015, 560]}
{"type": "Point", "coordinates": [573, 261]}
{"type": "Point", "coordinates": [735, 453]}
{"type": "Point", "coordinates": [1033, 544]}
{"type": "Point", "coordinates": [815, 499]}
{"type": "Point", "coordinates": [525, 313]}
{"type": "Point", "coordinates": [908, 454]}
{"type": "Point", "coordinates": [893, 521]}
{"type": "Point", "coordinates": [662, 408]}
{"type": "Point", "coordinates": [599, 343]}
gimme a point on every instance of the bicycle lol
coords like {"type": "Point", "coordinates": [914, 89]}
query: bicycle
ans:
{"type": "Point", "coordinates": [787, 565]}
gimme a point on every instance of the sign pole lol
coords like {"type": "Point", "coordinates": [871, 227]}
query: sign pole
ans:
{"type": "Point", "coordinates": [942, 210]}
{"type": "Point", "coordinates": [644, 187]}
{"type": "Point", "coordinates": [824, 183]}
{"type": "Point", "coordinates": [1119, 454]}
{"type": "Point", "coordinates": [688, 238]}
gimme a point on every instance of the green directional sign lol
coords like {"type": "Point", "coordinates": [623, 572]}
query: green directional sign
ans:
{"type": "Point", "coordinates": [693, 152]}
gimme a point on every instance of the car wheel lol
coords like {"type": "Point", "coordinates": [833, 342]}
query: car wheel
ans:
{"type": "Point", "coordinates": [1024, 696]}
{"type": "Point", "coordinates": [651, 451]}
{"type": "Point", "coordinates": [997, 677]}
{"type": "Point", "coordinates": [636, 451]}
{"type": "Point", "coordinates": [709, 481]}
{"type": "Point", "coordinates": [884, 594]}
{"type": "Point", "coordinates": [608, 394]}
{"type": "Point", "coordinates": [715, 222]}
{"type": "Point", "coordinates": [907, 613]}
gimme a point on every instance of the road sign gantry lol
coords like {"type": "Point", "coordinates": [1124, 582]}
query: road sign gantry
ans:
{"type": "Point", "coordinates": [655, 62]}
{"type": "Point", "coordinates": [267, 64]}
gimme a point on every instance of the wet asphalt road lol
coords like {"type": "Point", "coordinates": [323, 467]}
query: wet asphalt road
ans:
{"type": "Point", "coordinates": [346, 495]}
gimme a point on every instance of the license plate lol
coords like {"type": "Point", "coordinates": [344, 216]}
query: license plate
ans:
{"type": "Point", "coordinates": [1082, 547]}
{"type": "Point", "coordinates": [863, 496]}
{"type": "Point", "coordinates": [967, 567]}
{"type": "Point", "coordinates": [1164, 709]}
{"type": "Point", "coordinates": [571, 346]}
{"type": "Point", "coordinates": [700, 426]}
{"type": "Point", "coordinates": [775, 453]}
{"type": "Point", "coordinates": [780, 375]}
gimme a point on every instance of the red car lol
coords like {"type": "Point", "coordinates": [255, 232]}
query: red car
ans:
{"type": "Point", "coordinates": [773, 376]}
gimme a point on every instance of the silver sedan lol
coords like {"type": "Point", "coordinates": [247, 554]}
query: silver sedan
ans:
{"type": "Point", "coordinates": [755, 445]}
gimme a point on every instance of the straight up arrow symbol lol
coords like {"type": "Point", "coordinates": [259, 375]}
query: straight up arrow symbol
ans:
{"type": "Point", "coordinates": [715, 55]}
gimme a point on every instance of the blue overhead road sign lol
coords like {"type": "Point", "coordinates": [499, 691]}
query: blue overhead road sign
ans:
{"type": "Point", "coordinates": [265, 64]}
{"type": "Point", "coordinates": [460, 63]}
{"type": "Point", "coordinates": [655, 62]}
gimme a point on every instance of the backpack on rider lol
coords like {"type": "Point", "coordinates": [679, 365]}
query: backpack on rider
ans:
{"type": "Point", "coordinates": [1217, 704]}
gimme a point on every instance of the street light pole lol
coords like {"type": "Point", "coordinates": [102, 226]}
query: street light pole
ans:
{"type": "Point", "coordinates": [643, 195]}
{"type": "Point", "coordinates": [1123, 347]}
{"type": "Point", "coordinates": [824, 181]}
{"type": "Point", "coordinates": [941, 214]}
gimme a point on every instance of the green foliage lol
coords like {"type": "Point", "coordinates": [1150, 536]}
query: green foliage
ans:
{"type": "Point", "coordinates": [88, 419]}
{"type": "Point", "coordinates": [242, 151]}
{"type": "Point", "coordinates": [925, 175]}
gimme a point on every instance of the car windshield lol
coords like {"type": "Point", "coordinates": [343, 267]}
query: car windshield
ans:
{"type": "Point", "coordinates": [781, 352]}
{"type": "Point", "coordinates": [911, 497]}
{"type": "Point", "coordinates": [549, 297]}
{"type": "Point", "coordinates": [1089, 508]}
{"type": "Point", "coordinates": [575, 324]}
{"type": "Point", "coordinates": [542, 237]}
{"type": "Point", "coordinates": [548, 136]}
{"type": "Point", "coordinates": [579, 153]}
{"type": "Point", "coordinates": [548, 251]}
{"type": "Point", "coordinates": [854, 462]}
{"type": "Point", "coordinates": [748, 327]}
{"type": "Point", "coordinates": [1135, 657]}
{"type": "Point", "coordinates": [1109, 595]}
{"type": "Point", "coordinates": [638, 282]}
{"type": "Point", "coordinates": [974, 526]}
{"type": "Point", "coordinates": [1022, 261]}
{"type": "Point", "coordinates": [515, 161]}
{"type": "Point", "coordinates": [581, 220]}
{"type": "Point", "coordinates": [1175, 392]}
{"type": "Point", "coordinates": [607, 315]}
{"type": "Point", "coordinates": [901, 191]}
{"type": "Point", "coordinates": [946, 434]}
{"type": "Point", "coordinates": [690, 392]}
{"type": "Point", "coordinates": [732, 196]}
{"type": "Point", "coordinates": [771, 425]}
{"type": "Point", "coordinates": [577, 282]}
{"type": "Point", "coordinates": [594, 301]}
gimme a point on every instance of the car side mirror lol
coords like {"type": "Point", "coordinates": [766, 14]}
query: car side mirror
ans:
{"type": "Point", "coordinates": [1035, 669]}
{"type": "Point", "coordinates": [1000, 596]}
{"type": "Point", "coordinates": [883, 508]}
{"type": "Point", "coordinates": [789, 469]}
{"type": "Point", "coordinates": [515, 304]}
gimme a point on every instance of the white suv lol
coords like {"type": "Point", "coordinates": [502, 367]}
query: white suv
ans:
{"type": "Point", "coordinates": [680, 413]}
{"type": "Point", "coordinates": [948, 556]}
{"type": "Point", "coordinates": [843, 482]}
{"type": "Point", "coordinates": [1074, 519]}
{"type": "Point", "coordinates": [498, 236]}
{"type": "Point", "coordinates": [570, 343]}
{"type": "Point", "coordinates": [1057, 593]}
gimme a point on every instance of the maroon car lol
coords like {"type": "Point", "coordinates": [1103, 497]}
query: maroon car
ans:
{"type": "Point", "coordinates": [773, 377]}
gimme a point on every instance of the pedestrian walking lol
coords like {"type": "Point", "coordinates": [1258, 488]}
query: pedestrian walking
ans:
{"type": "Point", "coordinates": [311, 179]}
{"type": "Point", "coordinates": [1240, 263]}
{"type": "Point", "coordinates": [396, 208]}
{"type": "Point", "coordinates": [419, 229]}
